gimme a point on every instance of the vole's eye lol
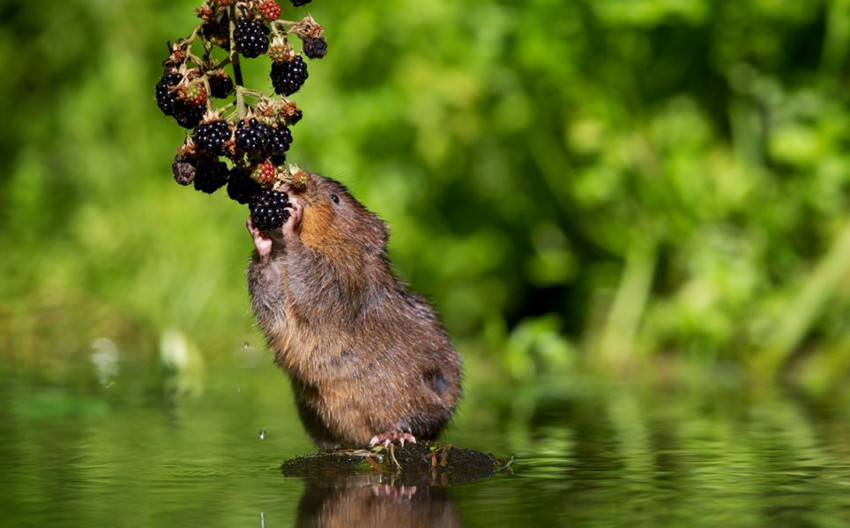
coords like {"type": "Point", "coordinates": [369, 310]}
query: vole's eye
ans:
{"type": "Point", "coordinates": [335, 199]}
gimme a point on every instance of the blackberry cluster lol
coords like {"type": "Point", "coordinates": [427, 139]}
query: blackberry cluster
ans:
{"type": "Point", "coordinates": [251, 137]}
{"type": "Point", "coordinates": [220, 85]}
{"type": "Point", "coordinates": [268, 209]}
{"type": "Point", "coordinates": [241, 187]}
{"type": "Point", "coordinates": [186, 115]}
{"type": "Point", "coordinates": [210, 137]}
{"type": "Point", "coordinates": [218, 33]}
{"type": "Point", "coordinates": [210, 174]}
{"type": "Point", "coordinates": [292, 117]}
{"type": "Point", "coordinates": [251, 38]}
{"type": "Point", "coordinates": [289, 76]}
{"type": "Point", "coordinates": [165, 97]}
{"type": "Point", "coordinates": [278, 140]}
{"type": "Point", "coordinates": [183, 170]}
{"type": "Point", "coordinates": [240, 143]}
{"type": "Point", "coordinates": [315, 47]}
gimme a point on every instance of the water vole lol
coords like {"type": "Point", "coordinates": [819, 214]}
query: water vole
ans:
{"type": "Point", "coordinates": [369, 361]}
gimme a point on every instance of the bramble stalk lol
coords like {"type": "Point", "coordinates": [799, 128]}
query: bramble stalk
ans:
{"type": "Point", "coordinates": [237, 69]}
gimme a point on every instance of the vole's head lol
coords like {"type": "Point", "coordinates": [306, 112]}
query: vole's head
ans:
{"type": "Point", "coordinates": [334, 219]}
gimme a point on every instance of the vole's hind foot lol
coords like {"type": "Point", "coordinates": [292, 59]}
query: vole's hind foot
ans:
{"type": "Point", "coordinates": [385, 439]}
{"type": "Point", "coordinates": [261, 241]}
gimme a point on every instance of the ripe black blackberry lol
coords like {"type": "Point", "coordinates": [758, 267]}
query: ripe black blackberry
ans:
{"type": "Point", "coordinates": [288, 76]}
{"type": "Point", "coordinates": [251, 137]}
{"type": "Point", "coordinates": [166, 98]}
{"type": "Point", "coordinates": [210, 174]}
{"type": "Point", "coordinates": [268, 209]}
{"type": "Point", "coordinates": [209, 137]}
{"type": "Point", "coordinates": [299, 3]}
{"type": "Point", "coordinates": [293, 117]}
{"type": "Point", "coordinates": [183, 170]}
{"type": "Point", "coordinates": [218, 32]}
{"type": "Point", "coordinates": [186, 115]}
{"type": "Point", "coordinates": [220, 85]}
{"type": "Point", "coordinates": [315, 47]}
{"type": "Point", "coordinates": [278, 140]}
{"type": "Point", "coordinates": [240, 186]}
{"type": "Point", "coordinates": [250, 38]}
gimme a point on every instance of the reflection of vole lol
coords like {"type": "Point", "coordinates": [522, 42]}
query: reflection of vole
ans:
{"type": "Point", "coordinates": [380, 506]}
{"type": "Point", "coordinates": [368, 360]}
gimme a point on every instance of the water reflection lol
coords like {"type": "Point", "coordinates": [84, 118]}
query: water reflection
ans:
{"type": "Point", "coordinates": [78, 453]}
{"type": "Point", "coordinates": [413, 490]}
{"type": "Point", "coordinates": [372, 501]}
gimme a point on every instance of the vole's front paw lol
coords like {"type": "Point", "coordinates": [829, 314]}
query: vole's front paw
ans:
{"type": "Point", "coordinates": [261, 241]}
{"type": "Point", "coordinates": [296, 213]}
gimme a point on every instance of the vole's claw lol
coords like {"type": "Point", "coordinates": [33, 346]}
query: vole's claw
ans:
{"type": "Point", "coordinates": [261, 241]}
{"type": "Point", "coordinates": [385, 439]}
{"type": "Point", "coordinates": [296, 213]}
{"type": "Point", "coordinates": [393, 492]}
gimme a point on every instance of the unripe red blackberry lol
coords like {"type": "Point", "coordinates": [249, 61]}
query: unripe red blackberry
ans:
{"type": "Point", "coordinates": [240, 186]}
{"type": "Point", "coordinates": [268, 209]}
{"type": "Point", "coordinates": [209, 137]}
{"type": "Point", "coordinates": [193, 94]}
{"type": "Point", "coordinates": [210, 174]}
{"type": "Point", "coordinates": [299, 3]}
{"type": "Point", "coordinates": [270, 10]}
{"type": "Point", "coordinates": [278, 140]}
{"type": "Point", "coordinates": [280, 51]}
{"type": "Point", "coordinates": [220, 84]}
{"type": "Point", "coordinates": [183, 169]}
{"type": "Point", "coordinates": [250, 38]}
{"type": "Point", "coordinates": [264, 173]}
{"type": "Point", "coordinates": [251, 136]}
{"type": "Point", "coordinates": [314, 47]}
{"type": "Point", "coordinates": [288, 77]}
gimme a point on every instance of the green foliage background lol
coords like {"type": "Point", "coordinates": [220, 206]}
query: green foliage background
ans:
{"type": "Point", "coordinates": [600, 183]}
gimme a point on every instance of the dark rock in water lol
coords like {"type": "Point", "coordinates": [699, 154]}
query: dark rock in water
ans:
{"type": "Point", "coordinates": [412, 464]}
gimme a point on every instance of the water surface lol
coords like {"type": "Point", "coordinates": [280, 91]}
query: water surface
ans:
{"type": "Point", "coordinates": [139, 447]}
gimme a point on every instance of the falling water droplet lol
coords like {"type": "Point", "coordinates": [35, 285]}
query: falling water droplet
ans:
{"type": "Point", "coordinates": [247, 345]}
{"type": "Point", "coordinates": [262, 520]}
{"type": "Point", "coordinates": [262, 434]}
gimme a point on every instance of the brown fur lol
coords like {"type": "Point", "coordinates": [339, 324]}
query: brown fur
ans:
{"type": "Point", "coordinates": [365, 356]}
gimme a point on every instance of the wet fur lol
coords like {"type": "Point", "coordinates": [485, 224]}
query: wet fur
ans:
{"type": "Point", "coordinates": [365, 356]}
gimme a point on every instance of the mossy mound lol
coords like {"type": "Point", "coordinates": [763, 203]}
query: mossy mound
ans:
{"type": "Point", "coordinates": [431, 464]}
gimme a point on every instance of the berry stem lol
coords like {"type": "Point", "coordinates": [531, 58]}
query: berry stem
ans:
{"type": "Point", "coordinates": [191, 39]}
{"type": "Point", "coordinates": [241, 109]}
{"type": "Point", "coordinates": [224, 62]}
{"type": "Point", "coordinates": [284, 23]}
{"type": "Point", "coordinates": [237, 69]}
